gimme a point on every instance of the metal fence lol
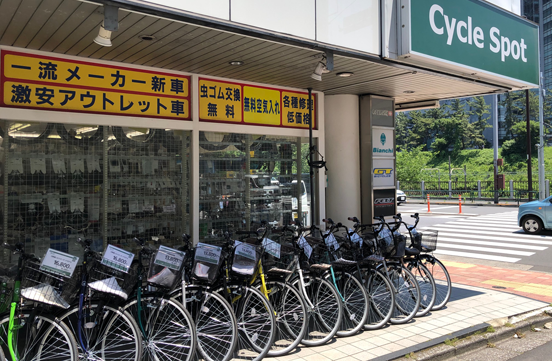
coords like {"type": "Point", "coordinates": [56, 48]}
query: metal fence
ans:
{"type": "Point", "coordinates": [472, 190]}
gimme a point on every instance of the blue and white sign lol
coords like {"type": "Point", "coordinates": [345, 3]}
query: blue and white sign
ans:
{"type": "Point", "coordinates": [382, 142]}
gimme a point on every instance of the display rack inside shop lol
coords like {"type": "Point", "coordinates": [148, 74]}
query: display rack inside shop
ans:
{"type": "Point", "coordinates": [71, 183]}
{"type": "Point", "coordinates": [238, 187]}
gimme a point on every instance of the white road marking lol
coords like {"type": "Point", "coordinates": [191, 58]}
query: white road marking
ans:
{"type": "Point", "coordinates": [478, 255]}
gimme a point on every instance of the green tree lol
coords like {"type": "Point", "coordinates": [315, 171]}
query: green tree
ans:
{"type": "Point", "coordinates": [480, 110]}
{"type": "Point", "coordinates": [410, 163]}
{"type": "Point", "coordinates": [515, 149]}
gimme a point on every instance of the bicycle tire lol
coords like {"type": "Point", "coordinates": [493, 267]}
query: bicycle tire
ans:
{"type": "Point", "coordinates": [47, 339]}
{"type": "Point", "coordinates": [291, 317]}
{"type": "Point", "coordinates": [382, 299]}
{"type": "Point", "coordinates": [355, 306]}
{"type": "Point", "coordinates": [217, 331]}
{"type": "Point", "coordinates": [104, 328]}
{"type": "Point", "coordinates": [33, 140]}
{"type": "Point", "coordinates": [324, 318]}
{"type": "Point", "coordinates": [94, 139]}
{"type": "Point", "coordinates": [427, 287]}
{"type": "Point", "coordinates": [443, 284]}
{"type": "Point", "coordinates": [169, 328]}
{"type": "Point", "coordinates": [214, 146]}
{"type": "Point", "coordinates": [125, 141]}
{"type": "Point", "coordinates": [256, 322]}
{"type": "Point", "coordinates": [407, 294]}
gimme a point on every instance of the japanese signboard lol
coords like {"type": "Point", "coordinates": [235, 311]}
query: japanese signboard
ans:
{"type": "Point", "coordinates": [221, 101]}
{"type": "Point", "coordinates": [44, 82]}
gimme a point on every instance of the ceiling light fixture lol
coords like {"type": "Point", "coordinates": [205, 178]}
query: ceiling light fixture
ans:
{"type": "Point", "coordinates": [109, 25]}
{"type": "Point", "coordinates": [147, 37]}
{"type": "Point", "coordinates": [408, 91]}
{"type": "Point", "coordinates": [345, 74]}
{"type": "Point", "coordinates": [235, 62]}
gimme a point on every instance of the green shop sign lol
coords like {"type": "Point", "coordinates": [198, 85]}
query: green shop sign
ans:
{"type": "Point", "coordinates": [473, 37]}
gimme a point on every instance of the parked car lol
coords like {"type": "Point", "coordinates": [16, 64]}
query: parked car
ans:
{"type": "Point", "coordinates": [401, 197]}
{"type": "Point", "coordinates": [535, 216]}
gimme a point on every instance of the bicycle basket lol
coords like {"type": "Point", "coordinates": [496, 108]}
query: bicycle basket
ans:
{"type": "Point", "coordinates": [165, 267]}
{"type": "Point", "coordinates": [425, 241]}
{"type": "Point", "coordinates": [246, 259]}
{"type": "Point", "coordinates": [399, 245]}
{"type": "Point", "coordinates": [104, 279]}
{"type": "Point", "coordinates": [48, 288]}
{"type": "Point", "coordinates": [316, 252]}
{"type": "Point", "coordinates": [277, 257]}
{"type": "Point", "coordinates": [207, 262]}
{"type": "Point", "coordinates": [385, 241]}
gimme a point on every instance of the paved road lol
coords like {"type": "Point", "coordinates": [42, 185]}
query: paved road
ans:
{"type": "Point", "coordinates": [485, 233]}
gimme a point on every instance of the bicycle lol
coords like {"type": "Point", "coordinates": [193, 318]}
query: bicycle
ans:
{"type": "Point", "coordinates": [28, 333]}
{"type": "Point", "coordinates": [166, 326]}
{"type": "Point", "coordinates": [104, 331]}
{"type": "Point", "coordinates": [426, 242]}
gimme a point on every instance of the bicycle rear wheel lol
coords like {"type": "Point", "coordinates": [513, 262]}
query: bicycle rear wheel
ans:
{"type": "Point", "coordinates": [108, 333]}
{"type": "Point", "coordinates": [291, 317]}
{"type": "Point", "coordinates": [381, 297]}
{"type": "Point", "coordinates": [324, 318]}
{"type": "Point", "coordinates": [40, 338]}
{"type": "Point", "coordinates": [216, 325]}
{"type": "Point", "coordinates": [168, 327]}
{"type": "Point", "coordinates": [355, 306]}
{"type": "Point", "coordinates": [256, 322]}
{"type": "Point", "coordinates": [443, 284]}
{"type": "Point", "coordinates": [407, 293]}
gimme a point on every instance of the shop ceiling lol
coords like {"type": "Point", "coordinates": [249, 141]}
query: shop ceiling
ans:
{"type": "Point", "coordinates": [190, 44]}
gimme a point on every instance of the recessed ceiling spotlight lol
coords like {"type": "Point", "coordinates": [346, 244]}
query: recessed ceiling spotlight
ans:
{"type": "Point", "coordinates": [235, 62]}
{"type": "Point", "coordinates": [408, 91]}
{"type": "Point", "coordinates": [345, 74]}
{"type": "Point", "coordinates": [147, 37]}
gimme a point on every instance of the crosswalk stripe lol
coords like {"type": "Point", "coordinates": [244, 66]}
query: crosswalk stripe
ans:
{"type": "Point", "coordinates": [489, 238]}
{"type": "Point", "coordinates": [482, 221]}
{"type": "Point", "coordinates": [486, 243]}
{"type": "Point", "coordinates": [461, 226]}
{"type": "Point", "coordinates": [519, 237]}
{"type": "Point", "coordinates": [484, 249]}
{"type": "Point", "coordinates": [478, 255]}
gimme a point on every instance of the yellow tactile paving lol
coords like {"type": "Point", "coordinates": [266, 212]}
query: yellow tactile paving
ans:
{"type": "Point", "coordinates": [457, 264]}
{"type": "Point", "coordinates": [534, 288]}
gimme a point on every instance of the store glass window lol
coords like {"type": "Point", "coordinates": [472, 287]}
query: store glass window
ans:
{"type": "Point", "coordinates": [105, 183]}
{"type": "Point", "coordinates": [250, 178]}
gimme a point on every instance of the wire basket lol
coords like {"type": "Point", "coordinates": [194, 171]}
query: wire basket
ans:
{"type": "Point", "coordinates": [277, 257]}
{"type": "Point", "coordinates": [104, 279]}
{"type": "Point", "coordinates": [245, 260]}
{"type": "Point", "coordinates": [207, 262]}
{"type": "Point", "coordinates": [48, 288]}
{"type": "Point", "coordinates": [425, 241]}
{"type": "Point", "coordinates": [165, 268]}
{"type": "Point", "coordinates": [316, 252]}
{"type": "Point", "coordinates": [392, 245]}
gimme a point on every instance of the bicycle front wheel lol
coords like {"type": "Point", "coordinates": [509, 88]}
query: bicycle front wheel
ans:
{"type": "Point", "coordinates": [427, 287]}
{"type": "Point", "coordinates": [381, 298]}
{"type": "Point", "coordinates": [215, 322]}
{"type": "Point", "coordinates": [407, 294]}
{"type": "Point", "coordinates": [39, 338]}
{"type": "Point", "coordinates": [324, 311]}
{"type": "Point", "coordinates": [443, 284]}
{"type": "Point", "coordinates": [106, 333]}
{"type": "Point", "coordinates": [355, 305]}
{"type": "Point", "coordinates": [167, 328]}
{"type": "Point", "coordinates": [256, 322]}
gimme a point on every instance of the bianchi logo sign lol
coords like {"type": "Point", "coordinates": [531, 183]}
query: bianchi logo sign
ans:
{"type": "Point", "coordinates": [383, 113]}
{"type": "Point", "coordinates": [383, 138]}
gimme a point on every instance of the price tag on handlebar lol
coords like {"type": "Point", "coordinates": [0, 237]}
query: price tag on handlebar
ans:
{"type": "Point", "coordinates": [331, 241]}
{"type": "Point", "coordinates": [169, 257]}
{"type": "Point", "coordinates": [207, 253]}
{"type": "Point", "coordinates": [305, 246]}
{"type": "Point", "coordinates": [246, 250]}
{"type": "Point", "coordinates": [59, 262]}
{"type": "Point", "coordinates": [355, 238]}
{"type": "Point", "coordinates": [117, 258]}
{"type": "Point", "coordinates": [271, 247]}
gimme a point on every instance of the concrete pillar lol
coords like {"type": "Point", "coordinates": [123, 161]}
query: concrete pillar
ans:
{"type": "Point", "coordinates": [450, 188]}
{"type": "Point", "coordinates": [511, 189]}
{"type": "Point", "coordinates": [422, 186]}
{"type": "Point", "coordinates": [398, 185]}
{"type": "Point", "coordinates": [547, 188]}
{"type": "Point", "coordinates": [479, 189]}
{"type": "Point", "coordinates": [342, 154]}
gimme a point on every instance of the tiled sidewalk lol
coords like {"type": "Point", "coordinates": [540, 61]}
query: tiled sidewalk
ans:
{"type": "Point", "coordinates": [469, 306]}
{"type": "Point", "coordinates": [534, 285]}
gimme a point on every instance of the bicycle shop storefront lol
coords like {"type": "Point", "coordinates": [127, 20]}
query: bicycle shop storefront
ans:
{"type": "Point", "coordinates": [114, 152]}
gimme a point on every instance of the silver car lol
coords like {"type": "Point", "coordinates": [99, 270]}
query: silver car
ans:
{"type": "Point", "coordinates": [401, 197]}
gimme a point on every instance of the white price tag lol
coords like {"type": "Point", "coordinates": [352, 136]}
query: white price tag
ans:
{"type": "Point", "coordinates": [59, 262]}
{"type": "Point", "coordinates": [247, 251]}
{"type": "Point", "coordinates": [117, 258]}
{"type": "Point", "coordinates": [54, 204]}
{"type": "Point", "coordinates": [38, 165]}
{"type": "Point", "coordinates": [77, 202]}
{"type": "Point", "coordinates": [16, 165]}
{"type": "Point", "coordinates": [207, 253]}
{"type": "Point", "coordinates": [134, 206]}
{"type": "Point", "coordinates": [169, 209]}
{"type": "Point", "coordinates": [77, 165]}
{"type": "Point", "coordinates": [355, 238]}
{"type": "Point", "coordinates": [331, 241]}
{"type": "Point", "coordinates": [169, 257]}
{"type": "Point", "coordinates": [93, 165]}
{"type": "Point", "coordinates": [271, 247]}
{"type": "Point", "coordinates": [305, 246]}
{"type": "Point", "coordinates": [58, 164]}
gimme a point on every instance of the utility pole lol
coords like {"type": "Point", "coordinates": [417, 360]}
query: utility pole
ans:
{"type": "Point", "coordinates": [541, 104]}
{"type": "Point", "coordinates": [529, 170]}
{"type": "Point", "coordinates": [495, 146]}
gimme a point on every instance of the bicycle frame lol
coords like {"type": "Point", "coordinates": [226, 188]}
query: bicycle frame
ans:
{"type": "Point", "coordinates": [16, 298]}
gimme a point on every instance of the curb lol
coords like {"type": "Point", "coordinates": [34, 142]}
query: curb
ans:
{"type": "Point", "coordinates": [469, 340]}
{"type": "Point", "coordinates": [466, 204]}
